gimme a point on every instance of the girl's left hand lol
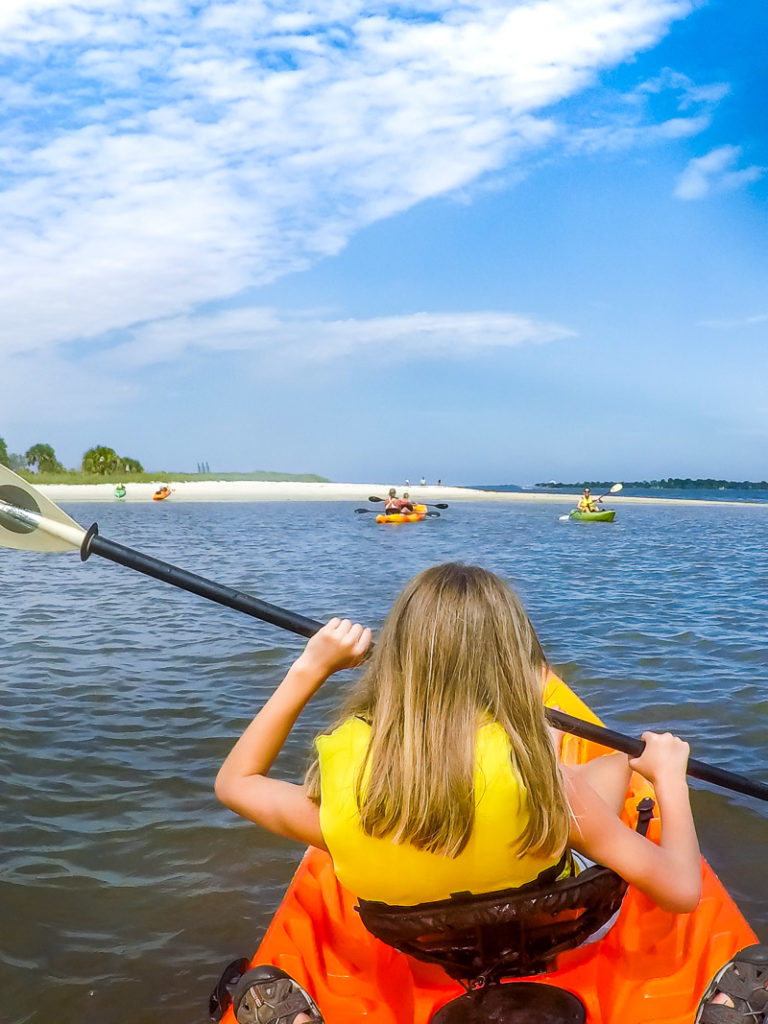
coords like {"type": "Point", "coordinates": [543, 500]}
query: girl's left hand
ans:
{"type": "Point", "coordinates": [338, 645]}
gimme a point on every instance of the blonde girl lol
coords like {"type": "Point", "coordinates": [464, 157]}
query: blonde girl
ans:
{"type": "Point", "coordinates": [457, 673]}
{"type": "Point", "coordinates": [441, 774]}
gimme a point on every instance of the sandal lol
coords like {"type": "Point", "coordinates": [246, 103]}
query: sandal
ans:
{"type": "Point", "coordinates": [267, 995]}
{"type": "Point", "coordinates": [745, 980]}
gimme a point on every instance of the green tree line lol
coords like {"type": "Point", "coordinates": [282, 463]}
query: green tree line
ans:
{"type": "Point", "coordinates": [41, 458]}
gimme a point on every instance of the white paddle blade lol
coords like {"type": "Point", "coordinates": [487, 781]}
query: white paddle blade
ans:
{"type": "Point", "coordinates": [31, 522]}
{"type": "Point", "coordinates": [616, 488]}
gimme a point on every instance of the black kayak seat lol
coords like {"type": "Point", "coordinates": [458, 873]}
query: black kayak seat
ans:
{"type": "Point", "coordinates": [483, 940]}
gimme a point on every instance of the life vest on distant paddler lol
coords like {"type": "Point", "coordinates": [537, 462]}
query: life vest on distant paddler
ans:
{"type": "Point", "coordinates": [587, 503]}
{"type": "Point", "coordinates": [399, 873]}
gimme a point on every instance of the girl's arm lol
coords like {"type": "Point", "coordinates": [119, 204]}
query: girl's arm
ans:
{"type": "Point", "coordinates": [243, 783]}
{"type": "Point", "coordinates": [670, 873]}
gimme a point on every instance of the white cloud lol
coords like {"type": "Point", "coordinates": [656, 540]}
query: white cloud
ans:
{"type": "Point", "coordinates": [670, 106]}
{"type": "Point", "coordinates": [716, 171]}
{"type": "Point", "coordinates": [744, 321]}
{"type": "Point", "coordinates": [279, 340]}
{"type": "Point", "coordinates": [163, 154]}
{"type": "Point", "coordinates": [690, 94]}
{"type": "Point", "coordinates": [261, 342]}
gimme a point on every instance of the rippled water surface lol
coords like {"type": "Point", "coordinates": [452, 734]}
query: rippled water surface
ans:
{"type": "Point", "coordinates": [125, 887]}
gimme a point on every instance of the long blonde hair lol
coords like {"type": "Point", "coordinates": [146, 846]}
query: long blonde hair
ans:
{"type": "Point", "coordinates": [457, 649]}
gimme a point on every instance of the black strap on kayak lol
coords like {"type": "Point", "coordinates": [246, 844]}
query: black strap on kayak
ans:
{"type": "Point", "coordinates": [221, 997]}
{"type": "Point", "coordinates": [512, 933]}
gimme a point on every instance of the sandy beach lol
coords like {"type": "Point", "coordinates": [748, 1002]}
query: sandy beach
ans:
{"type": "Point", "coordinates": [262, 490]}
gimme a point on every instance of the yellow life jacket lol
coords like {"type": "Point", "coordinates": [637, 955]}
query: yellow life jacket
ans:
{"type": "Point", "coordinates": [399, 873]}
{"type": "Point", "coordinates": [587, 504]}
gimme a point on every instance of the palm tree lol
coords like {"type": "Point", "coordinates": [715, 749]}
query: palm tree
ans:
{"type": "Point", "coordinates": [43, 459]}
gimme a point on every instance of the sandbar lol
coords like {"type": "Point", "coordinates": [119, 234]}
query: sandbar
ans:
{"type": "Point", "coordinates": [272, 490]}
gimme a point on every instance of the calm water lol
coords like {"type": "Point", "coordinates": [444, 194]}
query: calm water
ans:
{"type": "Point", "coordinates": [125, 887]}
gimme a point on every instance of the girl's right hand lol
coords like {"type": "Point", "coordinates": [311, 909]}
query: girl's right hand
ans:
{"type": "Point", "coordinates": [338, 645]}
{"type": "Point", "coordinates": [665, 756]}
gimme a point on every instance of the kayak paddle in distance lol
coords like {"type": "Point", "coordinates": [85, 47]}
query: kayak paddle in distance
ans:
{"type": "Point", "coordinates": [427, 515]}
{"type": "Point", "coordinates": [612, 490]}
{"type": "Point", "coordinates": [439, 504]}
{"type": "Point", "coordinates": [31, 522]}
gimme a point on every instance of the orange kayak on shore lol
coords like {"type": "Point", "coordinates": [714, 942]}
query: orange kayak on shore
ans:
{"type": "Point", "coordinates": [161, 494]}
{"type": "Point", "coordinates": [652, 967]}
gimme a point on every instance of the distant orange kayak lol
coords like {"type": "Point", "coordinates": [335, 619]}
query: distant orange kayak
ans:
{"type": "Point", "coordinates": [419, 513]}
{"type": "Point", "coordinates": [651, 968]}
{"type": "Point", "coordinates": [161, 494]}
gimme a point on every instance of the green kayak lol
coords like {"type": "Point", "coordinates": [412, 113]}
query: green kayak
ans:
{"type": "Point", "coordinates": [594, 517]}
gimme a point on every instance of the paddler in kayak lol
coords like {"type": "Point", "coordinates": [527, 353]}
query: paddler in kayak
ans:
{"type": "Point", "coordinates": [587, 503]}
{"type": "Point", "coordinates": [441, 775]}
{"type": "Point", "coordinates": [393, 503]}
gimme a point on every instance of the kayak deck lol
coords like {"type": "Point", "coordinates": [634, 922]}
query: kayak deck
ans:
{"type": "Point", "coordinates": [651, 968]}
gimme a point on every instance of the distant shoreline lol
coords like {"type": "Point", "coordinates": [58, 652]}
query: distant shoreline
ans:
{"type": "Point", "coordinates": [284, 490]}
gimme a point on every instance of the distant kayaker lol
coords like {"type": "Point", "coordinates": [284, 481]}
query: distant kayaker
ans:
{"type": "Point", "coordinates": [394, 504]}
{"type": "Point", "coordinates": [587, 503]}
{"type": "Point", "coordinates": [451, 694]}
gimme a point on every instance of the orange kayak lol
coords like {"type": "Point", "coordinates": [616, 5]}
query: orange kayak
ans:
{"type": "Point", "coordinates": [161, 494]}
{"type": "Point", "coordinates": [651, 968]}
{"type": "Point", "coordinates": [419, 513]}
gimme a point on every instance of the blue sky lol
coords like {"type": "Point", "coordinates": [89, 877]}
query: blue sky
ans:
{"type": "Point", "coordinates": [482, 241]}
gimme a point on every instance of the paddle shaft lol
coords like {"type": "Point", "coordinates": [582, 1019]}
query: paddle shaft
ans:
{"type": "Point", "coordinates": [373, 511]}
{"type": "Point", "coordinates": [93, 544]}
{"type": "Point", "coordinates": [439, 504]}
{"type": "Point", "coordinates": [634, 747]}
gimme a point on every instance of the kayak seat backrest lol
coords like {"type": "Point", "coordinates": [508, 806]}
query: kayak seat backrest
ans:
{"type": "Point", "coordinates": [513, 933]}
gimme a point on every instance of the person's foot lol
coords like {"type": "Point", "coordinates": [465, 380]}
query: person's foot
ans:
{"type": "Point", "coordinates": [267, 995]}
{"type": "Point", "coordinates": [738, 994]}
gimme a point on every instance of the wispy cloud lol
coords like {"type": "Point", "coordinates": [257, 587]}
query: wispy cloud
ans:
{"type": "Point", "coordinates": [160, 155]}
{"type": "Point", "coordinates": [716, 171]}
{"type": "Point", "coordinates": [668, 106]}
{"type": "Point", "coordinates": [278, 340]}
{"type": "Point", "coordinates": [744, 321]}
{"type": "Point", "coordinates": [262, 343]}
